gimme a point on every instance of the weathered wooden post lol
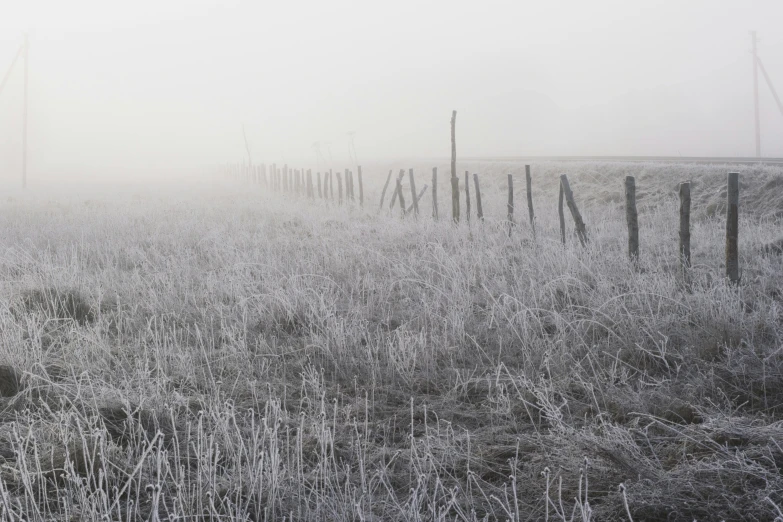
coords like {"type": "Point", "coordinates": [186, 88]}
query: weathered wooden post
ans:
{"type": "Point", "coordinates": [361, 186]}
{"type": "Point", "coordinates": [310, 191]}
{"type": "Point", "coordinates": [632, 218]}
{"type": "Point", "coordinates": [286, 183]}
{"type": "Point", "coordinates": [320, 193]}
{"type": "Point", "coordinates": [413, 193]}
{"type": "Point", "coordinates": [467, 196]}
{"type": "Point", "coordinates": [510, 203]}
{"type": "Point", "coordinates": [479, 209]}
{"type": "Point", "coordinates": [581, 230]}
{"type": "Point", "coordinates": [454, 178]}
{"type": "Point", "coordinates": [339, 188]}
{"type": "Point", "coordinates": [418, 198]}
{"type": "Point", "coordinates": [685, 225]}
{"type": "Point", "coordinates": [331, 185]}
{"type": "Point", "coordinates": [529, 189]}
{"type": "Point", "coordinates": [435, 193]}
{"type": "Point", "coordinates": [400, 194]}
{"type": "Point", "coordinates": [385, 186]}
{"type": "Point", "coordinates": [397, 189]}
{"type": "Point", "coordinates": [732, 228]}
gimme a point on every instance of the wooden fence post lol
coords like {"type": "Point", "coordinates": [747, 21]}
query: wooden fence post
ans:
{"type": "Point", "coordinates": [510, 203]}
{"type": "Point", "coordinates": [732, 228]}
{"type": "Point", "coordinates": [632, 218]}
{"type": "Point", "coordinates": [361, 186]}
{"type": "Point", "coordinates": [685, 225]}
{"type": "Point", "coordinates": [413, 193]}
{"type": "Point", "coordinates": [529, 188]}
{"type": "Point", "coordinates": [454, 178]}
{"type": "Point", "coordinates": [397, 189]}
{"type": "Point", "coordinates": [435, 193]}
{"type": "Point", "coordinates": [331, 185]}
{"type": "Point", "coordinates": [320, 193]}
{"type": "Point", "coordinates": [467, 197]}
{"type": "Point", "coordinates": [479, 209]}
{"type": "Point", "coordinates": [339, 188]}
{"type": "Point", "coordinates": [385, 186]}
{"type": "Point", "coordinates": [418, 198]}
{"type": "Point", "coordinates": [581, 230]}
{"type": "Point", "coordinates": [400, 194]}
{"type": "Point", "coordinates": [310, 190]}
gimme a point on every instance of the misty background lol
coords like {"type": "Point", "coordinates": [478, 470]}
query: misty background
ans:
{"type": "Point", "coordinates": [149, 86]}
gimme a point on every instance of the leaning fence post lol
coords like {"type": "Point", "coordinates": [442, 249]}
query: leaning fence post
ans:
{"type": "Point", "coordinates": [581, 230]}
{"type": "Point", "coordinates": [454, 178]}
{"type": "Point", "coordinates": [361, 186]}
{"type": "Point", "coordinates": [413, 192]}
{"type": "Point", "coordinates": [685, 225]}
{"type": "Point", "coordinates": [435, 193]}
{"type": "Point", "coordinates": [732, 228]}
{"type": "Point", "coordinates": [529, 188]}
{"type": "Point", "coordinates": [418, 198]}
{"type": "Point", "coordinates": [510, 203]}
{"type": "Point", "coordinates": [401, 195]}
{"type": "Point", "coordinates": [467, 196]}
{"type": "Point", "coordinates": [397, 189]}
{"type": "Point", "coordinates": [385, 186]}
{"type": "Point", "coordinates": [479, 210]}
{"type": "Point", "coordinates": [632, 218]}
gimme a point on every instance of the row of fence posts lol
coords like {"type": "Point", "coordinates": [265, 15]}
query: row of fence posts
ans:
{"type": "Point", "coordinates": [300, 183]}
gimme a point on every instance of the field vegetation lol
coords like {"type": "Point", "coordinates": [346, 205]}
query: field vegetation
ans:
{"type": "Point", "coordinates": [215, 353]}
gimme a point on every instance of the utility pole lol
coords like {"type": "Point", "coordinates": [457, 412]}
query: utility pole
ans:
{"type": "Point", "coordinates": [24, 124]}
{"type": "Point", "coordinates": [756, 94]}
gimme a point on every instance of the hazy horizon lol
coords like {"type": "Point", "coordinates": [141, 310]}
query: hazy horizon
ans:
{"type": "Point", "coordinates": [169, 84]}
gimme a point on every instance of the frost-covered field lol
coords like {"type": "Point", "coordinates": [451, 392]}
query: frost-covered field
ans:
{"type": "Point", "coordinates": [219, 354]}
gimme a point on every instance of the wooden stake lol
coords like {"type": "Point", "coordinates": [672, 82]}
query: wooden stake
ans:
{"type": "Point", "coordinates": [415, 203]}
{"type": "Point", "coordinates": [339, 188]}
{"type": "Point", "coordinates": [400, 194]}
{"type": "Point", "coordinates": [320, 194]}
{"type": "Point", "coordinates": [454, 178]}
{"type": "Point", "coordinates": [479, 210]}
{"type": "Point", "coordinates": [529, 189]}
{"type": "Point", "coordinates": [361, 186]}
{"type": "Point", "coordinates": [331, 185]}
{"type": "Point", "coordinates": [418, 198]}
{"type": "Point", "coordinates": [397, 189]}
{"type": "Point", "coordinates": [435, 193]}
{"type": "Point", "coordinates": [732, 228]}
{"type": "Point", "coordinates": [510, 203]}
{"type": "Point", "coordinates": [385, 186]}
{"type": "Point", "coordinates": [685, 225]}
{"type": "Point", "coordinates": [632, 218]}
{"type": "Point", "coordinates": [467, 197]}
{"type": "Point", "coordinates": [581, 230]}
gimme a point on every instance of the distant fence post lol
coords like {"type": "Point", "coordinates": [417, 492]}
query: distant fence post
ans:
{"type": "Point", "coordinates": [529, 188]}
{"type": "Point", "coordinates": [385, 186]}
{"type": "Point", "coordinates": [400, 194]}
{"type": "Point", "coordinates": [685, 225]}
{"type": "Point", "coordinates": [348, 185]}
{"type": "Point", "coordinates": [732, 228]}
{"type": "Point", "coordinates": [413, 193]}
{"type": "Point", "coordinates": [581, 230]}
{"type": "Point", "coordinates": [339, 188]}
{"type": "Point", "coordinates": [361, 186]}
{"type": "Point", "coordinates": [479, 209]}
{"type": "Point", "coordinates": [320, 193]}
{"type": "Point", "coordinates": [632, 218]}
{"type": "Point", "coordinates": [331, 185]}
{"type": "Point", "coordinates": [310, 190]}
{"type": "Point", "coordinates": [467, 197]}
{"type": "Point", "coordinates": [435, 193]}
{"type": "Point", "coordinates": [418, 198]}
{"type": "Point", "coordinates": [397, 189]}
{"type": "Point", "coordinates": [454, 178]}
{"type": "Point", "coordinates": [510, 203]}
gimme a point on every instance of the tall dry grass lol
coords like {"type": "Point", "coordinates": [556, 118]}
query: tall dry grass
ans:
{"type": "Point", "coordinates": [250, 358]}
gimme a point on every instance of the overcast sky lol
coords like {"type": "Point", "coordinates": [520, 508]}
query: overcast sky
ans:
{"type": "Point", "coordinates": [150, 83]}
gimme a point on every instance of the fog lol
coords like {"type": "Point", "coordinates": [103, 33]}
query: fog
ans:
{"type": "Point", "coordinates": [153, 85]}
